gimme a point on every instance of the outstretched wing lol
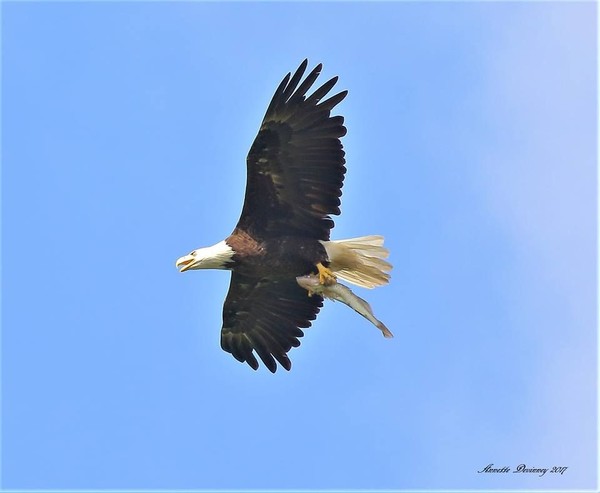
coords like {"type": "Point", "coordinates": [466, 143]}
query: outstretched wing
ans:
{"type": "Point", "coordinates": [265, 317]}
{"type": "Point", "coordinates": [296, 164]}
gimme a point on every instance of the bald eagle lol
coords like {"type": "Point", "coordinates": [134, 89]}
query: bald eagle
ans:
{"type": "Point", "coordinates": [295, 173]}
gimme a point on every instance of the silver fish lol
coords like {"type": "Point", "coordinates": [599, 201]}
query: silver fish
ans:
{"type": "Point", "coordinates": [339, 292]}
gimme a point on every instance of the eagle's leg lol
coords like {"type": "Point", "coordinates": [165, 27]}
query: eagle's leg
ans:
{"type": "Point", "coordinates": [326, 276]}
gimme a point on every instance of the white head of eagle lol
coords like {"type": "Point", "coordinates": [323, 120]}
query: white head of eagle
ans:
{"type": "Point", "coordinates": [294, 175]}
{"type": "Point", "coordinates": [218, 256]}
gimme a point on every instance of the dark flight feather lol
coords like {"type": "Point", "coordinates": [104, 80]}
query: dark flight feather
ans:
{"type": "Point", "coordinates": [296, 163]}
{"type": "Point", "coordinates": [264, 317]}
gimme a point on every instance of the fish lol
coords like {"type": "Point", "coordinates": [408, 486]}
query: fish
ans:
{"type": "Point", "coordinates": [336, 291]}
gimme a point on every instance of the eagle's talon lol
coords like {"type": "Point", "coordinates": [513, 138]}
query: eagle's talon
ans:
{"type": "Point", "coordinates": [326, 276]}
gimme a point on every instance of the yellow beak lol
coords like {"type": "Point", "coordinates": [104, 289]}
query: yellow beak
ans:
{"type": "Point", "coordinates": [184, 263]}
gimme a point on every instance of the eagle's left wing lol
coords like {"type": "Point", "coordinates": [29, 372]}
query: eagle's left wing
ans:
{"type": "Point", "coordinates": [266, 317]}
{"type": "Point", "coordinates": [295, 167]}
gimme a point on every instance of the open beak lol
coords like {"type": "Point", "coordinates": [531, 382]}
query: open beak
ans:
{"type": "Point", "coordinates": [186, 262]}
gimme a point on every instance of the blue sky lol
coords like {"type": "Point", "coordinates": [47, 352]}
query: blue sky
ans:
{"type": "Point", "coordinates": [471, 146]}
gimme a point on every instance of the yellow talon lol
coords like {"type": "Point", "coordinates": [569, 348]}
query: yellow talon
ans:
{"type": "Point", "coordinates": [326, 276]}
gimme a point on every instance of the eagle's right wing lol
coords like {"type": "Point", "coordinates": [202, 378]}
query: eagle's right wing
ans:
{"type": "Point", "coordinates": [265, 317]}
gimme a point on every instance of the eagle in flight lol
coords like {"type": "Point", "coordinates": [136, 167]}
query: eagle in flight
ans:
{"type": "Point", "coordinates": [295, 173]}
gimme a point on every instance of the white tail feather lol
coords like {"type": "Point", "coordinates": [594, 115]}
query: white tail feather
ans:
{"type": "Point", "coordinates": [359, 261]}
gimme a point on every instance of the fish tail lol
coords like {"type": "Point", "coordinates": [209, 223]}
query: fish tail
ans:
{"type": "Point", "coordinates": [387, 333]}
